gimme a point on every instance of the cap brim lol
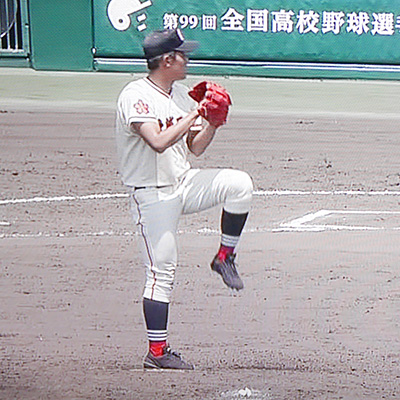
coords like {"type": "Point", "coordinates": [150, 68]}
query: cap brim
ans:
{"type": "Point", "coordinates": [188, 46]}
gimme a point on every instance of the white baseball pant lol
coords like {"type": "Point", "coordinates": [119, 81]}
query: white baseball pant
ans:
{"type": "Point", "coordinates": [157, 213]}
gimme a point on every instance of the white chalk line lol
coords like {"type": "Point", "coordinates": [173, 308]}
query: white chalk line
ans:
{"type": "Point", "coordinates": [302, 224]}
{"type": "Point", "coordinates": [201, 231]}
{"type": "Point", "coordinates": [105, 196]}
{"type": "Point", "coordinates": [296, 225]}
{"type": "Point", "coordinates": [326, 193]}
{"type": "Point", "coordinates": [64, 198]}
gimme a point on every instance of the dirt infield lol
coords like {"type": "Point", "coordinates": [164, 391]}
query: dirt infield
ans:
{"type": "Point", "coordinates": [320, 258]}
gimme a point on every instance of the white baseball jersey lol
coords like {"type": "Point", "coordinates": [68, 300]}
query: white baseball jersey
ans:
{"type": "Point", "coordinates": [139, 164]}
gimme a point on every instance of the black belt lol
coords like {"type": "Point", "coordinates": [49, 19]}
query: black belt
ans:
{"type": "Point", "coordinates": [149, 187]}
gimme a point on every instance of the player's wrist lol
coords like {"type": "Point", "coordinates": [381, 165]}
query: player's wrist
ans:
{"type": "Point", "coordinates": [195, 113]}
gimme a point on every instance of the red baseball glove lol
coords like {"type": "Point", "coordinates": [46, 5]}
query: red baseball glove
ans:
{"type": "Point", "coordinates": [214, 102]}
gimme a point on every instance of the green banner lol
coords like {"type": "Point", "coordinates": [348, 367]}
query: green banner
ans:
{"type": "Point", "coordinates": [257, 30]}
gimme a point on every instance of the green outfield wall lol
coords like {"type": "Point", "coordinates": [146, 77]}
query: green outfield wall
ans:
{"type": "Point", "coordinates": [309, 38]}
{"type": "Point", "coordinates": [61, 34]}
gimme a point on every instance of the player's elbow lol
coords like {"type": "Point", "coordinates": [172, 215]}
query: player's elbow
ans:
{"type": "Point", "coordinates": [197, 152]}
{"type": "Point", "coordinates": [159, 149]}
{"type": "Point", "coordinates": [198, 148]}
{"type": "Point", "coordinates": [158, 146]}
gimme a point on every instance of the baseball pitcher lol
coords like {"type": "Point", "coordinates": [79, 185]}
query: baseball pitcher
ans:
{"type": "Point", "coordinates": [159, 122]}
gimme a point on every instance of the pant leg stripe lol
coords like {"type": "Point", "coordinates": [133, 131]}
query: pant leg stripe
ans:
{"type": "Point", "coordinates": [147, 246]}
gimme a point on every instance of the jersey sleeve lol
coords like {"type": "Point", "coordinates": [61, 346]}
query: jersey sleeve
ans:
{"type": "Point", "coordinates": [135, 107]}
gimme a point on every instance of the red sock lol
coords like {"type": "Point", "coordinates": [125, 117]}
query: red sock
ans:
{"type": "Point", "coordinates": [157, 348]}
{"type": "Point", "coordinates": [224, 251]}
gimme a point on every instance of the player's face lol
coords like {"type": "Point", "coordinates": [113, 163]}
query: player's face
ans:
{"type": "Point", "coordinates": [179, 65]}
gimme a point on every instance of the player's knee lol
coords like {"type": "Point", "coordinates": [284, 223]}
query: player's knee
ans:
{"type": "Point", "coordinates": [240, 193]}
{"type": "Point", "coordinates": [247, 183]}
{"type": "Point", "coordinates": [242, 184]}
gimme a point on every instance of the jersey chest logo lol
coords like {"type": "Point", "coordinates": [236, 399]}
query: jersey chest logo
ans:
{"type": "Point", "coordinates": [168, 122]}
{"type": "Point", "coordinates": [141, 107]}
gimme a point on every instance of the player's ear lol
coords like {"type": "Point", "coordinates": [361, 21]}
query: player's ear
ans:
{"type": "Point", "coordinates": [168, 59]}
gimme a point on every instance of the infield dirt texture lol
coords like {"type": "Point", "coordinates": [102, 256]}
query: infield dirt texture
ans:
{"type": "Point", "coordinates": [320, 257]}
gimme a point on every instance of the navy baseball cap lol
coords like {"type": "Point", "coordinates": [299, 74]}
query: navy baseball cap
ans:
{"type": "Point", "coordinates": [165, 41]}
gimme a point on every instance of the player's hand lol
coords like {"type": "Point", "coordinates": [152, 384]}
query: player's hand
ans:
{"type": "Point", "coordinates": [214, 102]}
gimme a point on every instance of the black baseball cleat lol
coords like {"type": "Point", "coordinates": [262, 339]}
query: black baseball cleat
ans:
{"type": "Point", "coordinates": [169, 360]}
{"type": "Point", "coordinates": [227, 269]}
